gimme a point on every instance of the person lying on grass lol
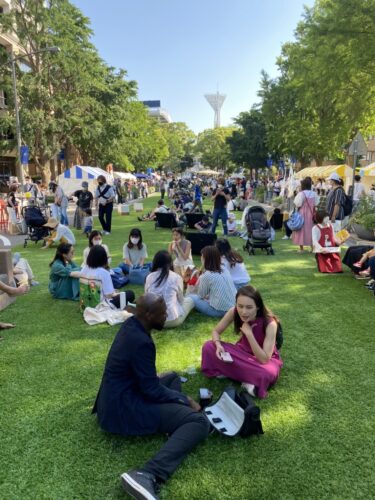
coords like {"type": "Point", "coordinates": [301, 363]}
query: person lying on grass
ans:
{"type": "Point", "coordinates": [254, 358]}
{"type": "Point", "coordinates": [134, 401]}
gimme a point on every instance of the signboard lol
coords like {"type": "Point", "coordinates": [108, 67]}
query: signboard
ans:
{"type": "Point", "coordinates": [269, 162]}
{"type": "Point", "coordinates": [358, 146]}
{"type": "Point", "coordinates": [24, 153]}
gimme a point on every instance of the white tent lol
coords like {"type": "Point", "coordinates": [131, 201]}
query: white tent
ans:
{"type": "Point", "coordinates": [124, 176]}
{"type": "Point", "coordinates": [71, 179]}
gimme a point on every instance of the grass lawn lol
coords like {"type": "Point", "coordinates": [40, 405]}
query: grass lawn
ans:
{"type": "Point", "coordinates": [319, 419]}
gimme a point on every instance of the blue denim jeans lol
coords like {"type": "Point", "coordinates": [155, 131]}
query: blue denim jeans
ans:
{"type": "Point", "coordinates": [204, 307]}
{"type": "Point", "coordinates": [220, 213]}
{"type": "Point", "coordinates": [125, 268]}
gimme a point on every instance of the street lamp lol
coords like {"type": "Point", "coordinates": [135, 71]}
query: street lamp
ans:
{"type": "Point", "coordinates": [16, 109]}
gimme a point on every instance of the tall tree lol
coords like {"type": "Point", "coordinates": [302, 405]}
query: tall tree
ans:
{"type": "Point", "coordinates": [213, 148]}
{"type": "Point", "coordinates": [63, 96]}
{"type": "Point", "coordinates": [180, 140]}
{"type": "Point", "coordinates": [248, 143]}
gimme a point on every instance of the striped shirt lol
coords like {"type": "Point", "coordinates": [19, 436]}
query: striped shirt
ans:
{"type": "Point", "coordinates": [219, 289]}
{"type": "Point", "coordinates": [336, 197]}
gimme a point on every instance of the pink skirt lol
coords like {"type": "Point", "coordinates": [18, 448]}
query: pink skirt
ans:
{"type": "Point", "coordinates": [245, 366]}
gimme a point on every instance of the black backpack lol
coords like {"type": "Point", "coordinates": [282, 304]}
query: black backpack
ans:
{"type": "Point", "coordinates": [348, 204]}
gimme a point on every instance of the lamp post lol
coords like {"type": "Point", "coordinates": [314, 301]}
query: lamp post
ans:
{"type": "Point", "coordinates": [16, 108]}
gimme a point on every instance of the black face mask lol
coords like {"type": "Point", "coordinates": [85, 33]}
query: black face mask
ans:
{"type": "Point", "coordinates": [100, 183]}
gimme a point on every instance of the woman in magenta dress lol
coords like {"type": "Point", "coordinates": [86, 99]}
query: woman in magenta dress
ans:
{"type": "Point", "coordinates": [306, 201]}
{"type": "Point", "coordinates": [255, 360]}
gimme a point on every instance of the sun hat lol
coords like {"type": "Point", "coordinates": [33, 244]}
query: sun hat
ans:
{"type": "Point", "coordinates": [334, 177]}
{"type": "Point", "coordinates": [52, 223]}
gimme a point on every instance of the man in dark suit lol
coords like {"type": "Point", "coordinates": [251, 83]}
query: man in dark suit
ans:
{"type": "Point", "coordinates": [134, 401]}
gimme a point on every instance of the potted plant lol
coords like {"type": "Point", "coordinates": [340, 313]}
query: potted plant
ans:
{"type": "Point", "coordinates": [363, 219]}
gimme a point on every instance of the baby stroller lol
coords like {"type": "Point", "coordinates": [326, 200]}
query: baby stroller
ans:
{"type": "Point", "coordinates": [34, 219]}
{"type": "Point", "coordinates": [258, 231]}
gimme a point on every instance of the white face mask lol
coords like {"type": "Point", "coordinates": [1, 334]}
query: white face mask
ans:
{"type": "Point", "coordinates": [325, 220]}
{"type": "Point", "coordinates": [134, 241]}
{"type": "Point", "coordinates": [97, 242]}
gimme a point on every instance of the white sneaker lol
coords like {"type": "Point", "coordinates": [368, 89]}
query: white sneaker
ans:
{"type": "Point", "coordinates": [106, 233]}
{"type": "Point", "coordinates": [250, 388]}
{"type": "Point", "coordinates": [285, 237]}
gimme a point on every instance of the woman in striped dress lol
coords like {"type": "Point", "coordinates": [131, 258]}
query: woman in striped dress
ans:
{"type": "Point", "coordinates": [216, 291]}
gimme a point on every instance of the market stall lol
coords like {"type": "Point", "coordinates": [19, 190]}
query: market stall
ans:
{"type": "Point", "coordinates": [71, 179]}
{"type": "Point", "coordinates": [344, 171]}
{"type": "Point", "coordinates": [368, 176]}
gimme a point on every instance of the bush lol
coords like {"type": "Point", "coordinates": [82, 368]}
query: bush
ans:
{"type": "Point", "coordinates": [259, 194]}
{"type": "Point", "coordinates": [365, 213]}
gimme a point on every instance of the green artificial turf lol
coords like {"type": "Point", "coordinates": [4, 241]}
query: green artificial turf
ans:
{"type": "Point", "coordinates": [318, 420]}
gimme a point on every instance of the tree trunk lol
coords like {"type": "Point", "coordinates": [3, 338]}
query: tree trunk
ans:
{"type": "Point", "coordinates": [45, 172]}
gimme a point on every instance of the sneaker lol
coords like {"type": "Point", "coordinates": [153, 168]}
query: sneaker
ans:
{"type": "Point", "coordinates": [34, 283]}
{"type": "Point", "coordinates": [106, 233]}
{"type": "Point", "coordinates": [285, 237]}
{"type": "Point", "coordinates": [250, 388]}
{"type": "Point", "coordinates": [370, 284]}
{"type": "Point", "coordinates": [361, 277]}
{"type": "Point", "coordinates": [139, 485]}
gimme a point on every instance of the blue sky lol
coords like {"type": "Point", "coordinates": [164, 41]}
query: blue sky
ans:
{"type": "Point", "coordinates": [179, 50]}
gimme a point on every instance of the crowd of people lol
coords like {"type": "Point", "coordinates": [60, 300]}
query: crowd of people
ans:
{"type": "Point", "coordinates": [132, 398]}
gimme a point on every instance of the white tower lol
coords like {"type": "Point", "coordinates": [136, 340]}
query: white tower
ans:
{"type": "Point", "coordinates": [216, 102]}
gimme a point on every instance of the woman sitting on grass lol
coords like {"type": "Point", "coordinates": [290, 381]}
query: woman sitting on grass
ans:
{"type": "Point", "coordinates": [165, 282]}
{"type": "Point", "coordinates": [134, 252]}
{"type": "Point", "coordinates": [64, 274]}
{"type": "Point", "coordinates": [255, 360]}
{"type": "Point", "coordinates": [324, 241]}
{"type": "Point", "coordinates": [233, 263]}
{"type": "Point", "coordinates": [95, 238]}
{"type": "Point", "coordinates": [180, 248]}
{"type": "Point", "coordinates": [216, 291]}
{"type": "Point", "coordinates": [96, 268]}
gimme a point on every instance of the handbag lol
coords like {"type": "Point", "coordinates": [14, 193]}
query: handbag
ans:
{"type": "Point", "coordinates": [295, 221]}
{"type": "Point", "coordinates": [138, 275]}
{"type": "Point", "coordinates": [235, 413]}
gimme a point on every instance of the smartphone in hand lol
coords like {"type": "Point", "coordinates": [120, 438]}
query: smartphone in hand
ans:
{"type": "Point", "coordinates": [226, 357]}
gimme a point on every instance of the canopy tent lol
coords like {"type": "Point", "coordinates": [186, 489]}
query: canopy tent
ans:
{"type": "Point", "coordinates": [368, 171]}
{"type": "Point", "coordinates": [208, 172]}
{"type": "Point", "coordinates": [71, 179]}
{"type": "Point", "coordinates": [141, 176]}
{"type": "Point", "coordinates": [368, 176]}
{"type": "Point", "coordinates": [124, 176]}
{"type": "Point", "coordinates": [324, 172]}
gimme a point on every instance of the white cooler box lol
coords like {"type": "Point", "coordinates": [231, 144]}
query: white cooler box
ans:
{"type": "Point", "coordinates": [123, 209]}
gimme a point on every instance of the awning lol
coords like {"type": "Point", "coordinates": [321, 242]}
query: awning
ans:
{"type": "Point", "coordinates": [125, 176]}
{"type": "Point", "coordinates": [208, 172]}
{"type": "Point", "coordinates": [368, 171]}
{"type": "Point", "coordinates": [324, 172]}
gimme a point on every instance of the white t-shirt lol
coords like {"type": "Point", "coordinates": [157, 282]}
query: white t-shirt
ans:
{"type": "Point", "coordinates": [87, 250]}
{"type": "Point", "coordinates": [171, 290]}
{"type": "Point", "coordinates": [64, 231]}
{"type": "Point", "coordinates": [232, 225]}
{"type": "Point", "coordinates": [101, 275]}
{"type": "Point", "coordinates": [238, 272]}
{"type": "Point", "coordinates": [358, 191]}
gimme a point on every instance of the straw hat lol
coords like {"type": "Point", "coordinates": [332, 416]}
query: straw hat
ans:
{"type": "Point", "coordinates": [52, 223]}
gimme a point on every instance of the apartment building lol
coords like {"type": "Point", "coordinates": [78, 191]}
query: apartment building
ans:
{"type": "Point", "coordinates": [10, 42]}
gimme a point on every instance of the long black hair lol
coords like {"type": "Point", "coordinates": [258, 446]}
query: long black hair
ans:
{"type": "Point", "coordinates": [136, 233]}
{"type": "Point", "coordinates": [61, 250]}
{"type": "Point", "coordinates": [162, 261]}
{"type": "Point", "coordinates": [262, 310]}
{"type": "Point", "coordinates": [233, 257]}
